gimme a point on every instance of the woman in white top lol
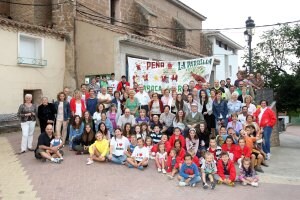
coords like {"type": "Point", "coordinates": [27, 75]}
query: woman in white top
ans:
{"type": "Point", "coordinates": [189, 103]}
{"type": "Point", "coordinates": [166, 98]}
{"type": "Point", "coordinates": [178, 120]}
{"type": "Point", "coordinates": [251, 107]}
{"type": "Point", "coordinates": [118, 146]}
{"type": "Point", "coordinates": [155, 106]}
{"type": "Point", "coordinates": [27, 114]}
{"type": "Point", "coordinates": [97, 115]}
{"type": "Point", "coordinates": [63, 115]}
{"type": "Point", "coordinates": [205, 107]}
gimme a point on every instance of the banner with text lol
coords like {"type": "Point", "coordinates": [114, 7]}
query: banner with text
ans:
{"type": "Point", "coordinates": [158, 75]}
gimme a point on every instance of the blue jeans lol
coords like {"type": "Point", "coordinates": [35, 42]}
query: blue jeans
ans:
{"type": "Point", "coordinates": [267, 136]}
{"type": "Point", "coordinates": [195, 179]}
{"type": "Point", "coordinates": [118, 159]}
{"type": "Point", "coordinates": [71, 138]}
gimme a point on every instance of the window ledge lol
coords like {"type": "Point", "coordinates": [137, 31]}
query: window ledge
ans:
{"type": "Point", "coordinates": [31, 62]}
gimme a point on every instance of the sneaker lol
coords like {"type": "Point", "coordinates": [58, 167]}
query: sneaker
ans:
{"type": "Point", "coordinates": [55, 160]}
{"type": "Point", "coordinates": [244, 183]}
{"type": "Point", "coordinates": [158, 170]}
{"type": "Point", "coordinates": [205, 186]}
{"type": "Point", "coordinates": [61, 159]}
{"type": "Point", "coordinates": [259, 169]}
{"type": "Point", "coordinates": [164, 171]}
{"type": "Point", "coordinates": [182, 183]}
{"type": "Point", "coordinates": [254, 184]}
{"type": "Point", "coordinates": [140, 167]}
{"type": "Point", "coordinates": [90, 161]}
{"type": "Point", "coordinates": [193, 185]}
{"type": "Point", "coordinates": [170, 177]}
{"type": "Point", "coordinates": [213, 185]}
{"type": "Point", "coordinates": [268, 156]}
{"type": "Point", "coordinates": [231, 184]}
{"type": "Point", "coordinates": [220, 182]}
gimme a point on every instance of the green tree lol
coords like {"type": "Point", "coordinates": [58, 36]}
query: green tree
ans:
{"type": "Point", "coordinates": [276, 57]}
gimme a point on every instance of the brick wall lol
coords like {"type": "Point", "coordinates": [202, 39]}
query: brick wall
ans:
{"type": "Point", "coordinates": [38, 15]}
{"type": "Point", "coordinates": [63, 20]}
{"type": "Point", "coordinates": [42, 14]}
{"type": "Point", "coordinates": [164, 11]}
{"type": "Point", "coordinates": [4, 9]}
{"type": "Point", "coordinates": [22, 13]}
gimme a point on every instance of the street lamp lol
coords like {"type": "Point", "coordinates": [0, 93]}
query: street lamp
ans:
{"type": "Point", "coordinates": [249, 32]}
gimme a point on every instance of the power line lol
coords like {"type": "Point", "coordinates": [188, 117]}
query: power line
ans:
{"type": "Point", "coordinates": [99, 15]}
{"type": "Point", "coordinates": [89, 17]}
{"type": "Point", "coordinates": [30, 4]}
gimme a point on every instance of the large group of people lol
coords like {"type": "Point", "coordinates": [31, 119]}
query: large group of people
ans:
{"type": "Point", "coordinates": [202, 132]}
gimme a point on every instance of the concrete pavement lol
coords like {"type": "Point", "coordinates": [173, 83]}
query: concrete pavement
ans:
{"type": "Point", "coordinates": [74, 180]}
{"type": "Point", "coordinates": [285, 160]}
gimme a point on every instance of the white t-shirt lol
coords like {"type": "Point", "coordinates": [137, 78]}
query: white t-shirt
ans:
{"type": "Point", "coordinates": [78, 109]}
{"type": "Point", "coordinates": [140, 153]}
{"type": "Point", "coordinates": [143, 98]}
{"type": "Point", "coordinates": [60, 111]}
{"type": "Point", "coordinates": [242, 118]}
{"type": "Point", "coordinates": [119, 145]}
{"type": "Point", "coordinates": [113, 84]}
{"type": "Point", "coordinates": [100, 96]}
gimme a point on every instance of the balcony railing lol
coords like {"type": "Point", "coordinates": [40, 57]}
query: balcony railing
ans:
{"type": "Point", "coordinates": [32, 61]}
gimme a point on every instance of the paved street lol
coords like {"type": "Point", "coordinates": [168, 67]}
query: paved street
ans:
{"type": "Point", "coordinates": [23, 177]}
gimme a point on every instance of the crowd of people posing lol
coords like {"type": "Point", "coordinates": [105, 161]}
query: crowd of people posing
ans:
{"type": "Point", "coordinates": [199, 133]}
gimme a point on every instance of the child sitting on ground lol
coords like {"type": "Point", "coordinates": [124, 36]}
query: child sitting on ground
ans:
{"type": "Point", "coordinates": [208, 170]}
{"type": "Point", "coordinates": [156, 134]}
{"type": "Point", "coordinates": [139, 157]}
{"type": "Point", "coordinates": [161, 157]}
{"type": "Point", "coordinates": [173, 162]}
{"type": "Point", "coordinates": [56, 142]}
{"type": "Point", "coordinates": [247, 174]}
{"type": "Point", "coordinates": [189, 173]}
{"type": "Point", "coordinates": [226, 170]}
{"type": "Point", "coordinates": [99, 149]}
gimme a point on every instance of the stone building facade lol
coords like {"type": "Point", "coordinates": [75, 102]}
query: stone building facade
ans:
{"type": "Point", "coordinates": [101, 34]}
{"type": "Point", "coordinates": [32, 56]}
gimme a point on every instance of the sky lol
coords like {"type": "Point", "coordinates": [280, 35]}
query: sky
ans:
{"type": "Point", "coordinates": [234, 13]}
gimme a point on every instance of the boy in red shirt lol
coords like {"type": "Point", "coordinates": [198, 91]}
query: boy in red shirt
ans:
{"type": "Point", "coordinates": [226, 170]}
